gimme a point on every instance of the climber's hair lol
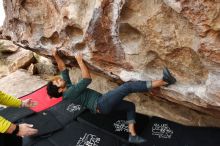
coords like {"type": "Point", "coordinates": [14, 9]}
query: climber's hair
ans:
{"type": "Point", "coordinates": [52, 90]}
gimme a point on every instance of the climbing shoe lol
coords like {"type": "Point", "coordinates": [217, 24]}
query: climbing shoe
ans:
{"type": "Point", "coordinates": [167, 77]}
{"type": "Point", "coordinates": [136, 139]}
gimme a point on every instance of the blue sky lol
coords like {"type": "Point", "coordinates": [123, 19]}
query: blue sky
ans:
{"type": "Point", "coordinates": [2, 13]}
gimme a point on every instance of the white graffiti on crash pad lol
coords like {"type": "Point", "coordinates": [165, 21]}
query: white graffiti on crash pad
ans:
{"type": "Point", "coordinates": [88, 140]}
{"type": "Point", "coordinates": [121, 125]}
{"type": "Point", "coordinates": [73, 107]}
{"type": "Point", "coordinates": [162, 130]}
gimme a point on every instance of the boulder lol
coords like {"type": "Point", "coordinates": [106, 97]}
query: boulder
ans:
{"type": "Point", "coordinates": [130, 40]}
{"type": "Point", "coordinates": [46, 69]}
{"type": "Point", "coordinates": [3, 70]}
{"type": "Point", "coordinates": [1, 29]}
{"type": "Point", "coordinates": [152, 105]}
{"type": "Point", "coordinates": [20, 83]}
{"type": "Point", "coordinates": [7, 46]}
{"type": "Point", "coordinates": [32, 69]}
{"type": "Point", "coordinates": [45, 65]}
{"type": "Point", "coordinates": [21, 59]}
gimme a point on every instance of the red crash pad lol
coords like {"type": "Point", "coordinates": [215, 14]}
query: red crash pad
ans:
{"type": "Point", "coordinates": [43, 99]}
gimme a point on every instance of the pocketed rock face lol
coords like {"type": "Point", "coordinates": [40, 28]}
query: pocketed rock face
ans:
{"type": "Point", "coordinates": [130, 40]}
{"type": "Point", "coordinates": [45, 24]}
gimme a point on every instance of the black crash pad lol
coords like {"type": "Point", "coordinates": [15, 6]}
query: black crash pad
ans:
{"type": "Point", "coordinates": [113, 123]}
{"type": "Point", "coordinates": [66, 111]}
{"type": "Point", "coordinates": [37, 141]}
{"type": "Point", "coordinates": [44, 121]}
{"type": "Point", "coordinates": [161, 132]}
{"type": "Point", "coordinates": [43, 143]}
{"type": "Point", "coordinates": [14, 114]}
{"type": "Point", "coordinates": [78, 134]}
{"type": "Point", "coordinates": [201, 136]}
